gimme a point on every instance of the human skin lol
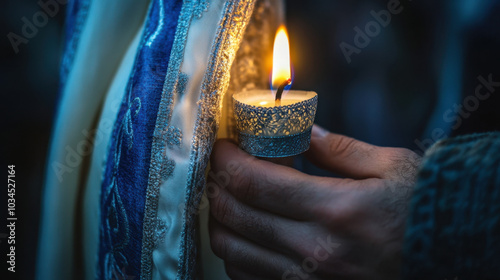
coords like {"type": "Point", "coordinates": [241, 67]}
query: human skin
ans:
{"type": "Point", "coordinates": [270, 221]}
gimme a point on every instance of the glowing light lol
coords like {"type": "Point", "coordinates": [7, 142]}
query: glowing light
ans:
{"type": "Point", "coordinates": [263, 103]}
{"type": "Point", "coordinates": [281, 58]}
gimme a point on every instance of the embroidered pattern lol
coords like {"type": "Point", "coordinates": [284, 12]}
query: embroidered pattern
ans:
{"type": "Point", "coordinates": [201, 7]}
{"type": "Point", "coordinates": [167, 168]}
{"type": "Point", "coordinates": [133, 109]}
{"type": "Point", "coordinates": [118, 235]}
{"type": "Point", "coordinates": [117, 232]}
{"type": "Point", "coordinates": [74, 23]}
{"type": "Point", "coordinates": [229, 34]}
{"type": "Point", "coordinates": [130, 155]}
{"type": "Point", "coordinates": [153, 36]}
{"type": "Point", "coordinates": [172, 136]}
{"type": "Point", "coordinates": [249, 70]}
{"type": "Point", "coordinates": [235, 16]}
{"type": "Point", "coordinates": [181, 85]}
{"type": "Point", "coordinates": [161, 168]}
{"type": "Point", "coordinates": [161, 230]}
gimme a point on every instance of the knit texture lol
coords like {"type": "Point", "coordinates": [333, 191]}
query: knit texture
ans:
{"type": "Point", "coordinates": [453, 230]}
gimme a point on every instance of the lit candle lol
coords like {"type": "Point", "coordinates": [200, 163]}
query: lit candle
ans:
{"type": "Point", "coordinates": [276, 123]}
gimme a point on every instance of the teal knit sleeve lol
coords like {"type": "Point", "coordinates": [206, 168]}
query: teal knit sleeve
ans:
{"type": "Point", "coordinates": [453, 231]}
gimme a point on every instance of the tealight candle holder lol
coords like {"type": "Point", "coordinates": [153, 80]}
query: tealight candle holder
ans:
{"type": "Point", "coordinates": [271, 129]}
{"type": "Point", "coordinates": [272, 124]}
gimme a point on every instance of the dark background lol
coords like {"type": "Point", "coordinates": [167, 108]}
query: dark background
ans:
{"type": "Point", "coordinates": [29, 85]}
{"type": "Point", "coordinates": [385, 96]}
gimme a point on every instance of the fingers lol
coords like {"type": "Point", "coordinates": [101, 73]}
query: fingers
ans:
{"type": "Point", "coordinates": [271, 231]}
{"type": "Point", "coordinates": [343, 155]}
{"type": "Point", "coordinates": [245, 259]}
{"type": "Point", "coordinates": [243, 256]}
{"type": "Point", "coordinates": [355, 159]}
{"type": "Point", "coordinates": [278, 189]}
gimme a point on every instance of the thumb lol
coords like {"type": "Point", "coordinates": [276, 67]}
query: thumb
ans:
{"type": "Point", "coordinates": [349, 157]}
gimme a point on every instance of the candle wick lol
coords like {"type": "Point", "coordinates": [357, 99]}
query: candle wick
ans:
{"type": "Point", "coordinates": [280, 90]}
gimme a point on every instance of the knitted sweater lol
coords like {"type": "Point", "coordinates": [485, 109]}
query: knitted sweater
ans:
{"type": "Point", "coordinates": [453, 230]}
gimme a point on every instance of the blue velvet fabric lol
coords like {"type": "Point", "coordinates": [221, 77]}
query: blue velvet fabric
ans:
{"type": "Point", "coordinates": [125, 181]}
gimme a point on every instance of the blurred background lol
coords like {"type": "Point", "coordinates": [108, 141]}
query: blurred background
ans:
{"type": "Point", "coordinates": [29, 84]}
{"type": "Point", "coordinates": [411, 81]}
{"type": "Point", "coordinates": [408, 84]}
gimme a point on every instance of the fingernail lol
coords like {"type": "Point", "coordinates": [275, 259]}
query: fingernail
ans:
{"type": "Point", "coordinates": [318, 131]}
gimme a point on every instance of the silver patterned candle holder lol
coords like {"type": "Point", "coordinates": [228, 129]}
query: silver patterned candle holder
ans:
{"type": "Point", "coordinates": [275, 131]}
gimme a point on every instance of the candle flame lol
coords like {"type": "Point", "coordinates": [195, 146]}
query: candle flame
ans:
{"type": "Point", "coordinates": [281, 58]}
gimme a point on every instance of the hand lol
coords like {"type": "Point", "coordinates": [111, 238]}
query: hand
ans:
{"type": "Point", "coordinates": [273, 222]}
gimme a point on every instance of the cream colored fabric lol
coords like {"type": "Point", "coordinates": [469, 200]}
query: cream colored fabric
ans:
{"type": "Point", "coordinates": [201, 34]}
{"type": "Point", "coordinates": [250, 70]}
{"type": "Point", "coordinates": [95, 87]}
{"type": "Point", "coordinates": [110, 27]}
{"type": "Point", "coordinates": [102, 134]}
